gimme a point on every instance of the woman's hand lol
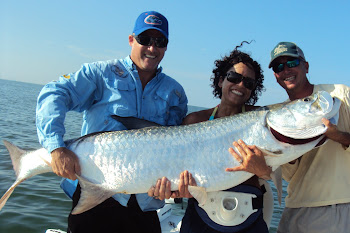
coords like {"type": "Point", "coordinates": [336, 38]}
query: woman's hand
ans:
{"type": "Point", "coordinates": [186, 179]}
{"type": "Point", "coordinates": [251, 160]}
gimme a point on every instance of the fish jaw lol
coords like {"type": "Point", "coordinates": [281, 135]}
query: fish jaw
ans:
{"type": "Point", "coordinates": [302, 118]}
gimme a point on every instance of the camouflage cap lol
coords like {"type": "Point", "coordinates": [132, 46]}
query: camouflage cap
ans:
{"type": "Point", "coordinates": [286, 49]}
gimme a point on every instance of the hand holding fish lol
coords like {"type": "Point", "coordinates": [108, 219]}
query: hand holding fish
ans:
{"type": "Point", "coordinates": [251, 160]}
{"type": "Point", "coordinates": [186, 179]}
{"type": "Point", "coordinates": [162, 189]}
{"type": "Point", "coordinates": [334, 134]}
{"type": "Point", "coordinates": [65, 163]}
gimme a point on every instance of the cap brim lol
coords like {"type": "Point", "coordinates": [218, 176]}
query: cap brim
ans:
{"type": "Point", "coordinates": [138, 32]}
{"type": "Point", "coordinates": [283, 55]}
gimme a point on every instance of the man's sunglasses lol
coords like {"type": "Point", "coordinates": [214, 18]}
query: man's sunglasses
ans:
{"type": "Point", "coordinates": [160, 42]}
{"type": "Point", "coordinates": [236, 78]}
{"type": "Point", "coordinates": [280, 67]}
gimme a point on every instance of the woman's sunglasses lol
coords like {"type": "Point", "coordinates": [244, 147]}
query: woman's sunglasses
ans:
{"type": "Point", "coordinates": [280, 67]}
{"type": "Point", "coordinates": [160, 42]}
{"type": "Point", "coordinates": [236, 78]}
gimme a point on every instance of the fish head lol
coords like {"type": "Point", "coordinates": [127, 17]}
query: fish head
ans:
{"type": "Point", "coordinates": [296, 127]}
{"type": "Point", "coordinates": [302, 118]}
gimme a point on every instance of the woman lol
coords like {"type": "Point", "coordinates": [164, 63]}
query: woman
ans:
{"type": "Point", "coordinates": [237, 81]}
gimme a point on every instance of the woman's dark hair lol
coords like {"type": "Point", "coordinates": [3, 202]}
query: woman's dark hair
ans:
{"type": "Point", "coordinates": [227, 62]}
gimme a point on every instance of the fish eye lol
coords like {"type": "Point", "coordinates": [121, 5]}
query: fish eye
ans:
{"type": "Point", "coordinates": [307, 99]}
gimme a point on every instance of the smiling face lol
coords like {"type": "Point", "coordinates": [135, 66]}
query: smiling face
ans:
{"type": "Point", "coordinates": [292, 79]}
{"type": "Point", "coordinates": [236, 94]}
{"type": "Point", "coordinates": [146, 58]}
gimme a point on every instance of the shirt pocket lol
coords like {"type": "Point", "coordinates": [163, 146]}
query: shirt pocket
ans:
{"type": "Point", "coordinates": [163, 103]}
{"type": "Point", "coordinates": [123, 97]}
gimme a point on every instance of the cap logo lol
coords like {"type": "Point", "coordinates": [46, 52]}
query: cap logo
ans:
{"type": "Point", "coordinates": [280, 49]}
{"type": "Point", "coordinates": [154, 20]}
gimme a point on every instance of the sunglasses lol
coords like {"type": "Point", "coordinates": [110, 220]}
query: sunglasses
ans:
{"type": "Point", "coordinates": [280, 67]}
{"type": "Point", "coordinates": [160, 42]}
{"type": "Point", "coordinates": [236, 78]}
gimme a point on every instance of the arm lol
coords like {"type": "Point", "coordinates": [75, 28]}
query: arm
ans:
{"type": "Point", "coordinates": [71, 92]}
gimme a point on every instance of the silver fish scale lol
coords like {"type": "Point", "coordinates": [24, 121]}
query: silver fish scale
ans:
{"type": "Point", "coordinates": [131, 161]}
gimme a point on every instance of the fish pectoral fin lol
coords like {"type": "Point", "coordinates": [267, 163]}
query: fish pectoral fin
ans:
{"type": "Point", "coordinates": [276, 176]}
{"type": "Point", "coordinates": [199, 193]}
{"type": "Point", "coordinates": [91, 195]}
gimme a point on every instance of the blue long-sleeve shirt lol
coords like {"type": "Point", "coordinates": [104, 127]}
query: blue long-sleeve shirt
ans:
{"type": "Point", "coordinates": [102, 89]}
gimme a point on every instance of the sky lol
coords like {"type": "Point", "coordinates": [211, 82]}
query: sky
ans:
{"type": "Point", "coordinates": [41, 40]}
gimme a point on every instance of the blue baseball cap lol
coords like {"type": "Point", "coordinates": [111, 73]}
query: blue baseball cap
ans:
{"type": "Point", "coordinates": [151, 20]}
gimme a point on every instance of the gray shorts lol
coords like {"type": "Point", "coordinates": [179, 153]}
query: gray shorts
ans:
{"type": "Point", "coordinates": [325, 219]}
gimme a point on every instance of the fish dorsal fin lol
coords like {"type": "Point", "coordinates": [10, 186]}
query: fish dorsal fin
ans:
{"type": "Point", "coordinates": [199, 193]}
{"type": "Point", "coordinates": [134, 123]}
{"type": "Point", "coordinates": [91, 195]}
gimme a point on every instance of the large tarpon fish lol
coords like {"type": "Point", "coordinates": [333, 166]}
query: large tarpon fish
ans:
{"type": "Point", "coordinates": [131, 161]}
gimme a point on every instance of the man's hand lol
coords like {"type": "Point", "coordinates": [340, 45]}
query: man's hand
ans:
{"type": "Point", "coordinates": [332, 130]}
{"type": "Point", "coordinates": [162, 190]}
{"type": "Point", "coordinates": [65, 163]}
{"type": "Point", "coordinates": [334, 134]}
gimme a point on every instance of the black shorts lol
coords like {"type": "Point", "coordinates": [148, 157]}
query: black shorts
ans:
{"type": "Point", "coordinates": [110, 216]}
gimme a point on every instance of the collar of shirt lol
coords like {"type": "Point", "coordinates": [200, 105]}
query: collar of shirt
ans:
{"type": "Point", "coordinates": [132, 66]}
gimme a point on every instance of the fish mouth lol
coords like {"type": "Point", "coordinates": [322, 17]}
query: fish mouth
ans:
{"type": "Point", "coordinates": [300, 133]}
{"type": "Point", "coordinates": [294, 141]}
{"type": "Point", "coordinates": [299, 136]}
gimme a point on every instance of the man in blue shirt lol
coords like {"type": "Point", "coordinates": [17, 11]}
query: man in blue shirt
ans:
{"type": "Point", "coordinates": [134, 86]}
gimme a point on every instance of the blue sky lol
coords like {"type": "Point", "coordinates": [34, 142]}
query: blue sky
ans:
{"type": "Point", "coordinates": [42, 40]}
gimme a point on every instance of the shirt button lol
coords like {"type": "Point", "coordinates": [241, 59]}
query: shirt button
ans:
{"type": "Point", "coordinates": [106, 122]}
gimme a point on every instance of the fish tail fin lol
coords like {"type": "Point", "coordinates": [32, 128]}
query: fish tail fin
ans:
{"type": "Point", "coordinates": [16, 154]}
{"type": "Point", "coordinates": [91, 195]}
{"type": "Point", "coordinates": [8, 193]}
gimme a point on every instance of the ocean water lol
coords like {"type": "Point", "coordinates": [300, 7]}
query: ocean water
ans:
{"type": "Point", "coordinates": [38, 203]}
